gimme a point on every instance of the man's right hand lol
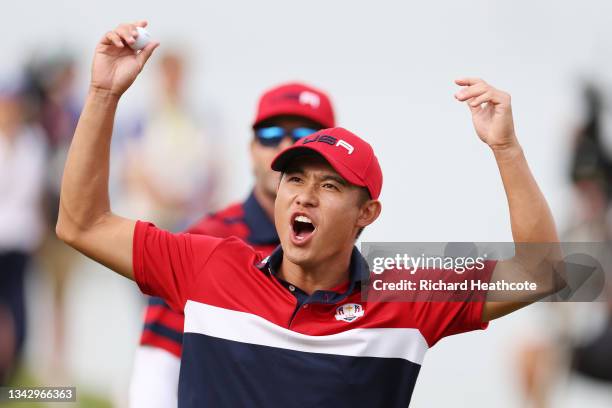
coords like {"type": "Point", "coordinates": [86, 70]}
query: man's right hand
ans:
{"type": "Point", "coordinates": [115, 64]}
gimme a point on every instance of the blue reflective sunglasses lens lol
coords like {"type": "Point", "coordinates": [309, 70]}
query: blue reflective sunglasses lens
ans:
{"type": "Point", "coordinates": [273, 135]}
{"type": "Point", "coordinates": [301, 132]}
{"type": "Point", "coordinates": [271, 132]}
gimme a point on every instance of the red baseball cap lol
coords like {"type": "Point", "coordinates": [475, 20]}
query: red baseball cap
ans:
{"type": "Point", "coordinates": [296, 99]}
{"type": "Point", "coordinates": [352, 157]}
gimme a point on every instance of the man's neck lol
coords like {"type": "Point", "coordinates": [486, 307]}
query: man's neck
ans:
{"type": "Point", "coordinates": [324, 276]}
{"type": "Point", "coordinates": [265, 200]}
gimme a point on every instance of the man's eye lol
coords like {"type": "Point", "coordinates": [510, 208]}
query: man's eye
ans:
{"type": "Point", "coordinates": [294, 179]}
{"type": "Point", "coordinates": [330, 186]}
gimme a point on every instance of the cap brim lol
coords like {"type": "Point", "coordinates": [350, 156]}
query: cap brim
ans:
{"type": "Point", "coordinates": [291, 110]}
{"type": "Point", "coordinates": [284, 158]}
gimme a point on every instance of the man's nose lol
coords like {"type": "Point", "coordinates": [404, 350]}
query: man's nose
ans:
{"type": "Point", "coordinates": [307, 197]}
{"type": "Point", "coordinates": [285, 143]}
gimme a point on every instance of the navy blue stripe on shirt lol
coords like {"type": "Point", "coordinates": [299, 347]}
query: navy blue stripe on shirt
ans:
{"type": "Point", "coordinates": [225, 373]}
{"type": "Point", "coordinates": [155, 301]}
{"type": "Point", "coordinates": [164, 331]}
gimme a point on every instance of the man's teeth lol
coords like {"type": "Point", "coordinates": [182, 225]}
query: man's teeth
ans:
{"type": "Point", "coordinates": [303, 218]}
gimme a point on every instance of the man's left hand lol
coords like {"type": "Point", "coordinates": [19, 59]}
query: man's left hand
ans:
{"type": "Point", "coordinates": [491, 112]}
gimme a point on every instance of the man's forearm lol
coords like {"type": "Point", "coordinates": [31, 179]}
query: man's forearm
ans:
{"type": "Point", "coordinates": [530, 217]}
{"type": "Point", "coordinates": [537, 253]}
{"type": "Point", "coordinates": [84, 195]}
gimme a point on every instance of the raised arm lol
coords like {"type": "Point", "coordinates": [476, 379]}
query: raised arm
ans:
{"type": "Point", "coordinates": [85, 220]}
{"type": "Point", "coordinates": [533, 227]}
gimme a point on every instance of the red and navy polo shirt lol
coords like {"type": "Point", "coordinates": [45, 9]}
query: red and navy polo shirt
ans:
{"type": "Point", "coordinates": [248, 221]}
{"type": "Point", "coordinates": [252, 340]}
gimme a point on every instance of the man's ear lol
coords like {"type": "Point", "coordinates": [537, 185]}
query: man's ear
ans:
{"type": "Point", "coordinates": [369, 212]}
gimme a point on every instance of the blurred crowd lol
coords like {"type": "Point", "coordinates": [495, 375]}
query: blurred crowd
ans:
{"type": "Point", "coordinates": [574, 341]}
{"type": "Point", "coordinates": [162, 171]}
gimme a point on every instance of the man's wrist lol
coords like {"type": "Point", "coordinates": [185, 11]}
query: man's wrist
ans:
{"type": "Point", "coordinates": [103, 96]}
{"type": "Point", "coordinates": [507, 153]}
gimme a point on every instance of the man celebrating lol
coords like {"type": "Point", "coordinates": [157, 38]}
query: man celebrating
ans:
{"type": "Point", "coordinates": [291, 330]}
{"type": "Point", "coordinates": [285, 114]}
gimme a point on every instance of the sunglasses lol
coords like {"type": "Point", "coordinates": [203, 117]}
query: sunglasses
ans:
{"type": "Point", "coordinates": [272, 136]}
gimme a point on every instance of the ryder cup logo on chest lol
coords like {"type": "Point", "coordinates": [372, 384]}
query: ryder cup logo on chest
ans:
{"type": "Point", "coordinates": [349, 312]}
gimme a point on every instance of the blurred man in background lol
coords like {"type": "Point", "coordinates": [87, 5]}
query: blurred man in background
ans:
{"type": "Point", "coordinates": [592, 177]}
{"type": "Point", "coordinates": [22, 175]}
{"type": "Point", "coordinates": [284, 114]}
{"type": "Point", "coordinates": [53, 105]}
{"type": "Point", "coordinates": [188, 183]}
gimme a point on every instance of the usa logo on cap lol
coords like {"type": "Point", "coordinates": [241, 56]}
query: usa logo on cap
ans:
{"type": "Point", "coordinates": [310, 98]}
{"type": "Point", "coordinates": [351, 156]}
{"type": "Point", "coordinates": [349, 312]}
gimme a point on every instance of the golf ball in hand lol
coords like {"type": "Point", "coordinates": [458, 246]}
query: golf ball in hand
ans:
{"type": "Point", "coordinates": [142, 39]}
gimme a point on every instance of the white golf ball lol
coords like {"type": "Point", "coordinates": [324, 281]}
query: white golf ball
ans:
{"type": "Point", "coordinates": [142, 39]}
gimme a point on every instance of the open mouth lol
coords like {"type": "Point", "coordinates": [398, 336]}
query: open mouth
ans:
{"type": "Point", "coordinates": [303, 227]}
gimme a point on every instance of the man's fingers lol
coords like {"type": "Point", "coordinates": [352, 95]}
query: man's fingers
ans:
{"type": "Point", "coordinates": [474, 108]}
{"type": "Point", "coordinates": [127, 32]}
{"type": "Point", "coordinates": [145, 53]}
{"type": "Point", "coordinates": [479, 100]}
{"type": "Point", "coordinates": [497, 97]}
{"type": "Point", "coordinates": [123, 34]}
{"type": "Point", "coordinates": [472, 91]}
{"type": "Point", "coordinates": [468, 81]}
{"type": "Point", "coordinates": [113, 38]}
{"type": "Point", "coordinates": [106, 40]}
{"type": "Point", "coordinates": [493, 96]}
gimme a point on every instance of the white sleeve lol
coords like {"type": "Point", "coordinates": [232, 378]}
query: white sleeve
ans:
{"type": "Point", "coordinates": [155, 378]}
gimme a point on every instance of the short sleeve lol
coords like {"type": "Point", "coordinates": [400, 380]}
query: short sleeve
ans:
{"type": "Point", "coordinates": [166, 265]}
{"type": "Point", "coordinates": [461, 314]}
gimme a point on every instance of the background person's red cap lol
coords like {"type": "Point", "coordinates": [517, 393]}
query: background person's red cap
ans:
{"type": "Point", "coordinates": [298, 100]}
{"type": "Point", "coordinates": [352, 157]}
